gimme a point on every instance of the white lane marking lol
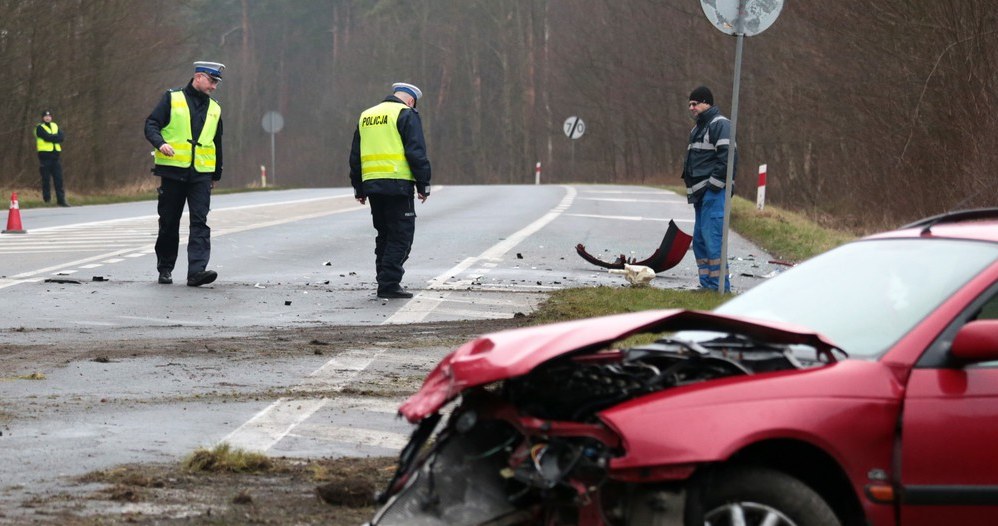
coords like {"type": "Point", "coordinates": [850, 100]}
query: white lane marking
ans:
{"type": "Point", "coordinates": [357, 436]}
{"type": "Point", "coordinates": [70, 264]}
{"type": "Point", "coordinates": [418, 308]}
{"type": "Point", "coordinates": [147, 248]}
{"type": "Point", "coordinates": [269, 426]}
{"type": "Point", "coordinates": [621, 200]}
{"type": "Point", "coordinates": [155, 218]}
{"type": "Point", "coordinates": [4, 283]}
{"type": "Point", "coordinates": [283, 203]}
{"type": "Point", "coordinates": [167, 321]}
{"type": "Point", "coordinates": [636, 192]}
{"type": "Point", "coordinates": [471, 314]}
{"type": "Point", "coordinates": [371, 405]}
{"type": "Point", "coordinates": [631, 218]}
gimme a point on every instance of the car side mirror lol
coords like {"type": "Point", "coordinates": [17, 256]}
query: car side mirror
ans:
{"type": "Point", "coordinates": [976, 341]}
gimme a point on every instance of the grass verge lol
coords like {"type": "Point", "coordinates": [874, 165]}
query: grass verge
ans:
{"type": "Point", "coordinates": [572, 304]}
{"type": "Point", "coordinates": [786, 235]}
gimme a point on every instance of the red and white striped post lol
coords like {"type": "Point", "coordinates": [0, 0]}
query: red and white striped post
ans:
{"type": "Point", "coordinates": [760, 193]}
{"type": "Point", "coordinates": [263, 176]}
{"type": "Point", "coordinates": [537, 173]}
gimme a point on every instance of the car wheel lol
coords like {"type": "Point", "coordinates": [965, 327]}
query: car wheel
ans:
{"type": "Point", "coordinates": [754, 496]}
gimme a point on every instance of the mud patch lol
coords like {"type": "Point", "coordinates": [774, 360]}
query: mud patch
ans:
{"type": "Point", "coordinates": [325, 491]}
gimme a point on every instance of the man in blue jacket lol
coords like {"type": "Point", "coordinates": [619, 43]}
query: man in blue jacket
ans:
{"type": "Point", "coordinates": [705, 174]}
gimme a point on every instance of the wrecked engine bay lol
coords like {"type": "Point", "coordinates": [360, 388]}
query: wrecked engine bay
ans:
{"type": "Point", "coordinates": [575, 388]}
{"type": "Point", "coordinates": [531, 448]}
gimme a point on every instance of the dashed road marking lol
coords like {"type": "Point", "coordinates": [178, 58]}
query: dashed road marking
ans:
{"type": "Point", "coordinates": [134, 237]}
{"type": "Point", "coordinates": [271, 425]}
{"type": "Point", "coordinates": [630, 218]}
{"type": "Point", "coordinates": [429, 300]}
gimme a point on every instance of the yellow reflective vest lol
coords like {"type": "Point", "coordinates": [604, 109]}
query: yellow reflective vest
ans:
{"type": "Point", "coordinates": [382, 155]}
{"type": "Point", "coordinates": [178, 135]}
{"type": "Point", "coordinates": [45, 146]}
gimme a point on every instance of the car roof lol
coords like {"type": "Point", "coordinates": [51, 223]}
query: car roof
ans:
{"type": "Point", "coordinates": [978, 224]}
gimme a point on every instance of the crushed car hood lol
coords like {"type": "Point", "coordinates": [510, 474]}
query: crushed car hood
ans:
{"type": "Point", "coordinates": [512, 353]}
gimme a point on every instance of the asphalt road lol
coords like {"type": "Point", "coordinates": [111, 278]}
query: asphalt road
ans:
{"type": "Point", "coordinates": [303, 257]}
{"type": "Point", "coordinates": [287, 260]}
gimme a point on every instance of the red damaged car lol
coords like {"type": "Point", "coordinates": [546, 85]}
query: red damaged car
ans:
{"type": "Point", "coordinates": [857, 388]}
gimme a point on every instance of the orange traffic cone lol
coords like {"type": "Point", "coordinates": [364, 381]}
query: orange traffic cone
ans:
{"type": "Point", "coordinates": [14, 218]}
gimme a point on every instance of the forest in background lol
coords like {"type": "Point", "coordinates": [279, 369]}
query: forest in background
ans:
{"type": "Point", "coordinates": [867, 114]}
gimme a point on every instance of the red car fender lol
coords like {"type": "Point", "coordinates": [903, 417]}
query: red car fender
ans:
{"type": "Point", "coordinates": [711, 421]}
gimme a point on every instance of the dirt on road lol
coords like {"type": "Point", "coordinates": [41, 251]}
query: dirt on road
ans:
{"type": "Point", "coordinates": [329, 491]}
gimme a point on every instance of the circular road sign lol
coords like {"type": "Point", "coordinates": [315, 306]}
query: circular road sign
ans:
{"type": "Point", "coordinates": [757, 15]}
{"type": "Point", "coordinates": [574, 127]}
{"type": "Point", "coordinates": [272, 122]}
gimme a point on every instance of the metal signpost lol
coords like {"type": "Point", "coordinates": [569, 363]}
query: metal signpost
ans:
{"type": "Point", "coordinates": [574, 128]}
{"type": "Point", "coordinates": [273, 122]}
{"type": "Point", "coordinates": [740, 18]}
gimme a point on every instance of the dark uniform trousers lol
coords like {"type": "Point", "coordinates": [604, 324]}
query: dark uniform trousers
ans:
{"type": "Point", "coordinates": [50, 168]}
{"type": "Point", "coordinates": [172, 196]}
{"type": "Point", "coordinates": [395, 220]}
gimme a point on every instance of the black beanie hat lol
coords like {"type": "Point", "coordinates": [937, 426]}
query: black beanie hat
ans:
{"type": "Point", "coordinates": [702, 94]}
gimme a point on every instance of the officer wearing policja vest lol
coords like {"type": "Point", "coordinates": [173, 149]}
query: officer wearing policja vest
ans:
{"type": "Point", "coordinates": [48, 140]}
{"type": "Point", "coordinates": [186, 130]}
{"type": "Point", "coordinates": [387, 163]}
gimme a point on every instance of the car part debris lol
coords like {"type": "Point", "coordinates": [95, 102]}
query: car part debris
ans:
{"type": "Point", "coordinates": [63, 280]}
{"type": "Point", "coordinates": [636, 275]}
{"type": "Point", "coordinates": [675, 244]}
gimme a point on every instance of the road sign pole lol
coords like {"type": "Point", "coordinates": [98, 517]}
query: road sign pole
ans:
{"type": "Point", "coordinates": [273, 161]}
{"type": "Point", "coordinates": [273, 122]}
{"type": "Point", "coordinates": [740, 18]}
{"type": "Point", "coordinates": [729, 179]}
{"type": "Point", "coordinates": [573, 160]}
{"type": "Point", "coordinates": [574, 128]}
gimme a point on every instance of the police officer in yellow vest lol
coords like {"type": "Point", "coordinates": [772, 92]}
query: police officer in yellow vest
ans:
{"type": "Point", "coordinates": [48, 138]}
{"type": "Point", "coordinates": [387, 163]}
{"type": "Point", "coordinates": [186, 130]}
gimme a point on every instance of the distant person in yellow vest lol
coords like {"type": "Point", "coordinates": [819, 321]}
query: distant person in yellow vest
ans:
{"type": "Point", "coordinates": [387, 163]}
{"type": "Point", "coordinates": [186, 130]}
{"type": "Point", "coordinates": [48, 138]}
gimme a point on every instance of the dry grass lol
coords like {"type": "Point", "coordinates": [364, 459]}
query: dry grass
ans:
{"type": "Point", "coordinates": [223, 458]}
{"type": "Point", "coordinates": [571, 304]}
{"type": "Point", "coordinates": [786, 235]}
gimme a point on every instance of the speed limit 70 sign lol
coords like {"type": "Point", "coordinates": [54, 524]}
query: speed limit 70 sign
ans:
{"type": "Point", "coordinates": [574, 127]}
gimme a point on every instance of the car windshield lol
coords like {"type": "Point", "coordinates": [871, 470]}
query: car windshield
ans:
{"type": "Point", "coordinates": [866, 295]}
